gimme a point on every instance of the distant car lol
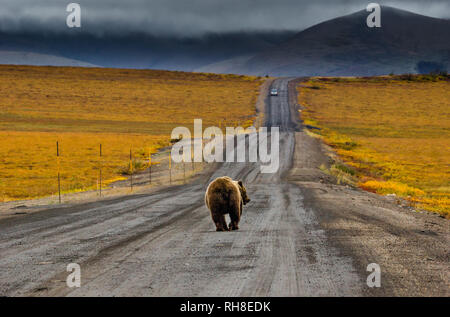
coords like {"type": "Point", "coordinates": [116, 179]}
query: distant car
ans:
{"type": "Point", "coordinates": [274, 92]}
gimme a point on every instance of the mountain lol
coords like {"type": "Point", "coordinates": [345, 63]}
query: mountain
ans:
{"type": "Point", "coordinates": [345, 46]}
{"type": "Point", "coordinates": [29, 58]}
{"type": "Point", "coordinates": [133, 50]}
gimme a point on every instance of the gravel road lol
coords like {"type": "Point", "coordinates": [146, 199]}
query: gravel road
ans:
{"type": "Point", "coordinates": [301, 235]}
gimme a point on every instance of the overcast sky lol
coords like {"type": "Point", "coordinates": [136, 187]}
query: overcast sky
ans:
{"type": "Point", "coordinates": [191, 17]}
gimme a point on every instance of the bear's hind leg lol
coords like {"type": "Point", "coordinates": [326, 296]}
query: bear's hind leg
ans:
{"type": "Point", "coordinates": [234, 223]}
{"type": "Point", "coordinates": [220, 222]}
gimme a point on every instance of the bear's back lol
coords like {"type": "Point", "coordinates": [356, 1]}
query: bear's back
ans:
{"type": "Point", "coordinates": [221, 192]}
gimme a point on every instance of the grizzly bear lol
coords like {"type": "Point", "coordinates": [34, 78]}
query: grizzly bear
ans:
{"type": "Point", "coordinates": [226, 196]}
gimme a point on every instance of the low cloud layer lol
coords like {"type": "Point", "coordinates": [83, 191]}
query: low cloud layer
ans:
{"type": "Point", "coordinates": [190, 17]}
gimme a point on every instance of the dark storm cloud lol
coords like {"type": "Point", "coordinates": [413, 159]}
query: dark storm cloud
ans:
{"type": "Point", "coordinates": [191, 17]}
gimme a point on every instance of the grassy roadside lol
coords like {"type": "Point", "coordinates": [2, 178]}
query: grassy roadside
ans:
{"type": "Point", "coordinates": [121, 109]}
{"type": "Point", "coordinates": [391, 134]}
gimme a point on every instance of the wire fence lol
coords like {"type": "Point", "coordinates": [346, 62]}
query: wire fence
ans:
{"type": "Point", "coordinates": [104, 174]}
{"type": "Point", "coordinates": [43, 166]}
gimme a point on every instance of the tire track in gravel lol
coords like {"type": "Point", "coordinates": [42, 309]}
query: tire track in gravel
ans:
{"type": "Point", "coordinates": [166, 245]}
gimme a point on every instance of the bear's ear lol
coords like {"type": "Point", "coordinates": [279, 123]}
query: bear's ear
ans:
{"type": "Point", "coordinates": [240, 183]}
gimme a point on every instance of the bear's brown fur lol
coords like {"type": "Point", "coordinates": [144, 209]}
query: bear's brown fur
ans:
{"type": "Point", "coordinates": [226, 196]}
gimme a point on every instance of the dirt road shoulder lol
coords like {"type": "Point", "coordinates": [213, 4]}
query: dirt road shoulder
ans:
{"type": "Point", "coordinates": [410, 247]}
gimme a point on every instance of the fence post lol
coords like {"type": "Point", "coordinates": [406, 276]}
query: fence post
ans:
{"type": "Point", "coordinates": [131, 171]}
{"type": "Point", "coordinates": [184, 169]}
{"type": "Point", "coordinates": [150, 165]}
{"type": "Point", "coordinates": [59, 177]}
{"type": "Point", "coordinates": [192, 157]}
{"type": "Point", "coordinates": [100, 170]}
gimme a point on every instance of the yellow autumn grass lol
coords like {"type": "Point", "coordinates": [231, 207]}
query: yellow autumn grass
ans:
{"type": "Point", "coordinates": [394, 134]}
{"type": "Point", "coordinates": [82, 108]}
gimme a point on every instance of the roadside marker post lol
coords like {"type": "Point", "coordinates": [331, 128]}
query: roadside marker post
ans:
{"type": "Point", "coordinates": [131, 171]}
{"type": "Point", "coordinates": [170, 168]}
{"type": "Point", "coordinates": [184, 169]}
{"type": "Point", "coordinates": [192, 157]}
{"type": "Point", "coordinates": [100, 171]}
{"type": "Point", "coordinates": [150, 165]}
{"type": "Point", "coordinates": [59, 176]}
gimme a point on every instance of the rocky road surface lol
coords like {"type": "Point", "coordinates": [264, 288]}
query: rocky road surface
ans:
{"type": "Point", "coordinates": [301, 235]}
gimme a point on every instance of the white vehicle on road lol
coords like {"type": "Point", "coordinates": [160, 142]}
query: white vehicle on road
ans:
{"type": "Point", "coordinates": [274, 92]}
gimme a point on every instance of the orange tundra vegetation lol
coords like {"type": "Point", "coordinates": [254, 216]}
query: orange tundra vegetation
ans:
{"type": "Point", "coordinates": [121, 109]}
{"type": "Point", "coordinates": [392, 133]}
